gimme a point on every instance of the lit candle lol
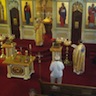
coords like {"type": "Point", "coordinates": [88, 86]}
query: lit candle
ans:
{"type": "Point", "coordinates": [21, 49]}
{"type": "Point", "coordinates": [30, 47]}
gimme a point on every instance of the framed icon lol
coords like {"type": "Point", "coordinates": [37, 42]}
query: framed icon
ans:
{"type": "Point", "coordinates": [27, 14]}
{"type": "Point", "coordinates": [62, 14]}
{"type": "Point", "coordinates": [91, 16]}
{"type": "Point", "coordinates": [3, 15]}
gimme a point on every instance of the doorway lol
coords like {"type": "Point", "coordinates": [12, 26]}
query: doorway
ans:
{"type": "Point", "coordinates": [14, 16]}
{"type": "Point", "coordinates": [76, 22]}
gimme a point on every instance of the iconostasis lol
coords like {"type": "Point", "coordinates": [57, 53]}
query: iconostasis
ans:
{"type": "Point", "coordinates": [31, 9]}
{"type": "Point", "coordinates": [70, 25]}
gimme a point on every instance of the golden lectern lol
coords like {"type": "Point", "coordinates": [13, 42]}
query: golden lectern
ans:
{"type": "Point", "coordinates": [56, 51]}
{"type": "Point", "coordinates": [9, 46]}
{"type": "Point", "coordinates": [9, 49]}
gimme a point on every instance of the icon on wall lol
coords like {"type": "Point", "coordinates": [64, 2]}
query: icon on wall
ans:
{"type": "Point", "coordinates": [91, 16]}
{"type": "Point", "coordinates": [27, 15]}
{"type": "Point", "coordinates": [2, 12]}
{"type": "Point", "coordinates": [62, 14]}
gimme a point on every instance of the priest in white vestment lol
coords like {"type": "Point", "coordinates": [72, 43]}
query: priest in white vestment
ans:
{"type": "Point", "coordinates": [39, 32]}
{"type": "Point", "coordinates": [79, 58]}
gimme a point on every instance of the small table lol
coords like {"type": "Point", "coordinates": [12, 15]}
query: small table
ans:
{"type": "Point", "coordinates": [56, 51]}
{"type": "Point", "coordinates": [19, 69]}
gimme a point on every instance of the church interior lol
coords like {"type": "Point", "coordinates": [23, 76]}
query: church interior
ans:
{"type": "Point", "coordinates": [33, 32]}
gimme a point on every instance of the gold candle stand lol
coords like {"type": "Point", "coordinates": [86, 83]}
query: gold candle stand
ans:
{"type": "Point", "coordinates": [67, 43]}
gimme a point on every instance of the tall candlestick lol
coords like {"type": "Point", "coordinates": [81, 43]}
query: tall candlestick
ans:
{"type": "Point", "coordinates": [30, 47]}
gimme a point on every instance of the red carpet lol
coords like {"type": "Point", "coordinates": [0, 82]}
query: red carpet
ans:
{"type": "Point", "coordinates": [20, 87]}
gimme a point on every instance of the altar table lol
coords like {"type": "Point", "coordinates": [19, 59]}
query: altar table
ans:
{"type": "Point", "coordinates": [19, 69]}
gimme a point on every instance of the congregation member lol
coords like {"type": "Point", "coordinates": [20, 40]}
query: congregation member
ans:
{"type": "Point", "coordinates": [56, 68]}
{"type": "Point", "coordinates": [32, 92]}
{"type": "Point", "coordinates": [79, 58]}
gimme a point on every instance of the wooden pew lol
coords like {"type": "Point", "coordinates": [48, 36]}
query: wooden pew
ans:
{"type": "Point", "coordinates": [51, 89]}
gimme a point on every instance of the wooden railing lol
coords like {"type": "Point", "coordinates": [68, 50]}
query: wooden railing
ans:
{"type": "Point", "coordinates": [51, 89]}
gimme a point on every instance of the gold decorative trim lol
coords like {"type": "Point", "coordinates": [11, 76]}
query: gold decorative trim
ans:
{"type": "Point", "coordinates": [17, 70]}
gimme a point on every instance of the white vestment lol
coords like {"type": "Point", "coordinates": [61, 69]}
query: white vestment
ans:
{"type": "Point", "coordinates": [79, 59]}
{"type": "Point", "coordinates": [40, 31]}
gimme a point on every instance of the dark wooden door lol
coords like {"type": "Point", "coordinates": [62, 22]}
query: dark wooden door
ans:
{"type": "Point", "coordinates": [76, 26]}
{"type": "Point", "coordinates": [14, 15]}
